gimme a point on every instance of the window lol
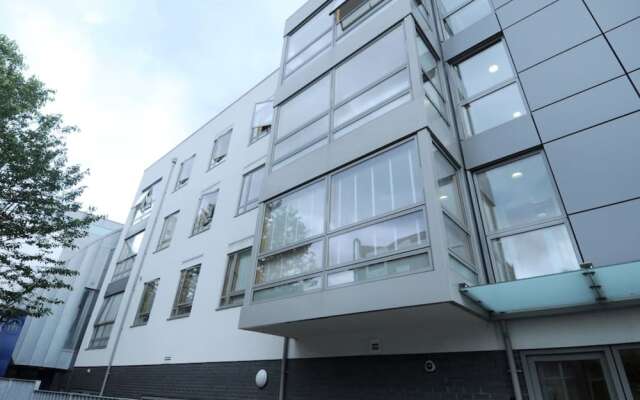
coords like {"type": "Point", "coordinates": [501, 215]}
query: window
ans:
{"type": "Point", "coordinates": [206, 209]}
{"type": "Point", "coordinates": [306, 106]}
{"type": "Point", "coordinates": [185, 172]}
{"type": "Point", "coordinates": [380, 270]}
{"type": "Point", "coordinates": [430, 76]}
{"type": "Point", "coordinates": [144, 203]}
{"type": "Point", "coordinates": [425, 11]}
{"type": "Point", "coordinates": [461, 14]}
{"type": "Point", "coordinates": [104, 321]}
{"type": "Point", "coordinates": [76, 331]}
{"type": "Point", "coordinates": [186, 292]}
{"type": "Point", "coordinates": [220, 149]}
{"type": "Point", "coordinates": [630, 360]}
{"type": "Point", "coordinates": [250, 192]}
{"type": "Point", "coordinates": [488, 90]}
{"type": "Point", "coordinates": [168, 228]}
{"type": "Point", "coordinates": [237, 278]}
{"type": "Point", "coordinates": [375, 216]}
{"type": "Point", "coordinates": [128, 255]}
{"type": "Point", "coordinates": [351, 10]}
{"type": "Point", "coordinates": [146, 302]}
{"type": "Point", "coordinates": [524, 221]}
{"type": "Point", "coordinates": [262, 120]}
{"type": "Point", "coordinates": [448, 185]}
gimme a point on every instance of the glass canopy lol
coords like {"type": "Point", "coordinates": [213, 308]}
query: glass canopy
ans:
{"type": "Point", "coordinates": [613, 283]}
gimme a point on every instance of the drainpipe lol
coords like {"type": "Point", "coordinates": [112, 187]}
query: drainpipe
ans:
{"type": "Point", "coordinates": [513, 371]}
{"type": "Point", "coordinates": [138, 271]}
{"type": "Point", "coordinates": [283, 368]}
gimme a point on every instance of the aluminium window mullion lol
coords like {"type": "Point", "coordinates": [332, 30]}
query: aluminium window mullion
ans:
{"type": "Point", "coordinates": [512, 231]}
{"type": "Point", "coordinates": [292, 246]}
{"type": "Point", "coordinates": [305, 125]}
{"type": "Point", "coordinates": [468, 100]}
{"type": "Point", "coordinates": [388, 256]}
{"type": "Point", "coordinates": [377, 219]}
{"type": "Point", "coordinates": [455, 10]}
{"type": "Point", "coordinates": [311, 43]}
{"type": "Point", "coordinates": [371, 85]}
{"type": "Point", "coordinates": [300, 149]}
{"type": "Point", "coordinates": [372, 110]}
{"type": "Point", "coordinates": [311, 58]}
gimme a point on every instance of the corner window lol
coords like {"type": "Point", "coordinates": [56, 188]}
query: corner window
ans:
{"type": "Point", "coordinates": [168, 229]}
{"type": "Point", "coordinates": [220, 149]}
{"type": "Point", "coordinates": [352, 10]}
{"type": "Point", "coordinates": [524, 221]}
{"type": "Point", "coordinates": [237, 278]}
{"type": "Point", "coordinates": [262, 120]}
{"type": "Point", "coordinates": [488, 90]}
{"type": "Point", "coordinates": [185, 172]}
{"type": "Point", "coordinates": [104, 321]}
{"type": "Point", "coordinates": [144, 203]}
{"type": "Point", "coordinates": [250, 192]}
{"type": "Point", "coordinates": [430, 76]}
{"type": "Point", "coordinates": [127, 257]}
{"type": "Point", "coordinates": [459, 15]}
{"type": "Point", "coordinates": [186, 292]}
{"type": "Point", "coordinates": [146, 302]}
{"type": "Point", "coordinates": [206, 209]}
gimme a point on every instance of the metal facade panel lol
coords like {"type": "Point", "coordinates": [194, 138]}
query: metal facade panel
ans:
{"type": "Point", "coordinates": [610, 14]}
{"type": "Point", "coordinates": [625, 43]}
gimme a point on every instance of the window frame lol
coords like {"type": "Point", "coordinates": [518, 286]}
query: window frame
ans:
{"type": "Point", "coordinates": [327, 233]}
{"type": "Point", "coordinates": [231, 273]}
{"type": "Point", "coordinates": [131, 258]}
{"type": "Point", "coordinates": [253, 138]}
{"type": "Point", "coordinates": [212, 162]}
{"type": "Point", "coordinates": [145, 205]}
{"type": "Point", "coordinates": [445, 15]}
{"type": "Point", "coordinates": [159, 246]}
{"type": "Point", "coordinates": [179, 185]}
{"type": "Point", "coordinates": [181, 286]}
{"type": "Point", "coordinates": [441, 93]}
{"type": "Point", "coordinates": [99, 324]}
{"type": "Point", "coordinates": [195, 219]}
{"type": "Point", "coordinates": [462, 103]}
{"type": "Point", "coordinates": [490, 237]}
{"type": "Point", "coordinates": [249, 206]}
{"type": "Point", "coordinates": [137, 320]}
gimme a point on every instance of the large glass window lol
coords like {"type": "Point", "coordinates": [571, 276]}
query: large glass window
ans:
{"type": "Point", "coordinates": [220, 149]}
{"type": "Point", "coordinates": [462, 14]}
{"type": "Point", "coordinates": [185, 172]}
{"type": "Point", "coordinates": [294, 218]}
{"type": "Point", "coordinates": [448, 185]}
{"type": "Point", "coordinates": [168, 228]}
{"type": "Point", "coordinates": [104, 321]}
{"type": "Point", "coordinates": [375, 214]}
{"type": "Point", "coordinates": [385, 183]}
{"type": "Point", "coordinates": [262, 120]}
{"type": "Point", "coordinates": [488, 91]}
{"type": "Point", "coordinates": [379, 270]}
{"type": "Point", "coordinates": [128, 254]}
{"type": "Point", "coordinates": [524, 221]}
{"type": "Point", "coordinates": [250, 192]}
{"type": "Point", "coordinates": [206, 209]}
{"type": "Point", "coordinates": [146, 302]}
{"type": "Point", "coordinates": [237, 278]}
{"type": "Point", "coordinates": [186, 292]}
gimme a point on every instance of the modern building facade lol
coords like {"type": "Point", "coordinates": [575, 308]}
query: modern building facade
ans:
{"type": "Point", "coordinates": [431, 200]}
{"type": "Point", "coordinates": [47, 347]}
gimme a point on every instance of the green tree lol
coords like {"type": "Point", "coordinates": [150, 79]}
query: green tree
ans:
{"type": "Point", "coordinates": [39, 192]}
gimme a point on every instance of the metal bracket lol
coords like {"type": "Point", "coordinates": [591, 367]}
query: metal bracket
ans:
{"type": "Point", "coordinates": [590, 274]}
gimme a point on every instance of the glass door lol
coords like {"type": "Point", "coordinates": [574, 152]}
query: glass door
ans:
{"type": "Point", "coordinates": [628, 362]}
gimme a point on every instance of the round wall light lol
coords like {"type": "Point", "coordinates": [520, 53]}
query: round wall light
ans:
{"type": "Point", "coordinates": [261, 378]}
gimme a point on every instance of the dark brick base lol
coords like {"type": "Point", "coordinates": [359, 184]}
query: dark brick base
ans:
{"type": "Point", "coordinates": [459, 376]}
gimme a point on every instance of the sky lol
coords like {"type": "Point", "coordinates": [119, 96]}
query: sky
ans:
{"type": "Point", "coordinates": [138, 76]}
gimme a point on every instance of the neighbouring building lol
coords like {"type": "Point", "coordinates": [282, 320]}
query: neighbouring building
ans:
{"type": "Point", "coordinates": [427, 200]}
{"type": "Point", "coordinates": [46, 347]}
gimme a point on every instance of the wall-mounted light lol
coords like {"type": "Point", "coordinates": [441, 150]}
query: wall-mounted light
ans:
{"type": "Point", "coordinates": [262, 378]}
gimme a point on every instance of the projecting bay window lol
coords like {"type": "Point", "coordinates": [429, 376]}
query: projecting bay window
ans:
{"type": "Point", "coordinates": [104, 321]}
{"type": "Point", "coordinates": [371, 222]}
{"type": "Point", "coordinates": [204, 215]}
{"type": "Point", "coordinates": [237, 278]}
{"type": "Point", "coordinates": [127, 257]}
{"type": "Point", "coordinates": [524, 221]}
{"type": "Point", "coordinates": [369, 84]}
{"type": "Point", "coordinates": [458, 15]}
{"type": "Point", "coordinates": [146, 302]}
{"type": "Point", "coordinates": [262, 120]}
{"type": "Point", "coordinates": [186, 292]}
{"type": "Point", "coordinates": [488, 91]}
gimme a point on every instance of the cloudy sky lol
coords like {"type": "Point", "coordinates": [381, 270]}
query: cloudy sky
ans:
{"type": "Point", "coordinates": [138, 76]}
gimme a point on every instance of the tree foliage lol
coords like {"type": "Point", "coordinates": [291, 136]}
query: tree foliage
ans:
{"type": "Point", "coordinates": [39, 192]}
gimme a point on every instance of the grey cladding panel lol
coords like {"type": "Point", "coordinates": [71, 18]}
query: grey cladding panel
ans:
{"type": "Point", "coordinates": [500, 3]}
{"type": "Point", "coordinates": [626, 43]}
{"type": "Point", "coordinates": [612, 13]}
{"type": "Point", "coordinates": [598, 166]}
{"type": "Point", "coordinates": [589, 108]}
{"type": "Point", "coordinates": [510, 138]}
{"type": "Point", "coordinates": [635, 77]}
{"type": "Point", "coordinates": [476, 33]}
{"type": "Point", "coordinates": [548, 32]}
{"type": "Point", "coordinates": [571, 72]}
{"type": "Point", "coordinates": [519, 9]}
{"type": "Point", "coordinates": [609, 235]}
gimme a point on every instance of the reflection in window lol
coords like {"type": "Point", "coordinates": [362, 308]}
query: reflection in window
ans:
{"type": "Point", "coordinates": [185, 172]}
{"type": "Point", "coordinates": [448, 186]}
{"type": "Point", "coordinates": [430, 77]}
{"type": "Point", "coordinates": [168, 228]}
{"type": "Point", "coordinates": [186, 291]}
{"type": "Point", "coordinates": [631, 362]}
{"type": "Point", "coordinates": [262, 120]}
{"type": "Point", "coordinates": [466, 16]}
{"type": "Point", "coordinates": [206, 209]}
{"type": "Point", "coordinates": [380, 270]}
{"type": "Point", "coordinates": [237, 278]}
{"type": "Point", "coordinates": [293, 218]}
{"type": "Point", "coordinates": [387, 182]}
{"type": "Point", "coordinates": [105, 320]}
{"type": "Point", "coordinates": [289, 289]}
{"type": "Point", "coordinates": [572, 379]}
{"type": "Point", "coordinates": [488, 90]}
{"type": "Point", "coordinates": [250, 192]}
{"type": "Point", "coordinates": [458, 240]}
{"type": "Point", "coordinates": [301, 260]}
{"type": "Point", "coordinates": [143, 205]}
{"type": "Point", "coordinates": [401, 233]}
{"type": "Point", "coordinates": [146, 302]}
{"type": "Point", "coordinates": [128, 254]}
{"type": "Point", "coordinates": [220, 149]}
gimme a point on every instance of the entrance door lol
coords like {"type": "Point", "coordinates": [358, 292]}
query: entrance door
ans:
{"type": "Point", "coordinates": [579, 376]}
{"type": "Point", "coordinates": [628, 362]}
